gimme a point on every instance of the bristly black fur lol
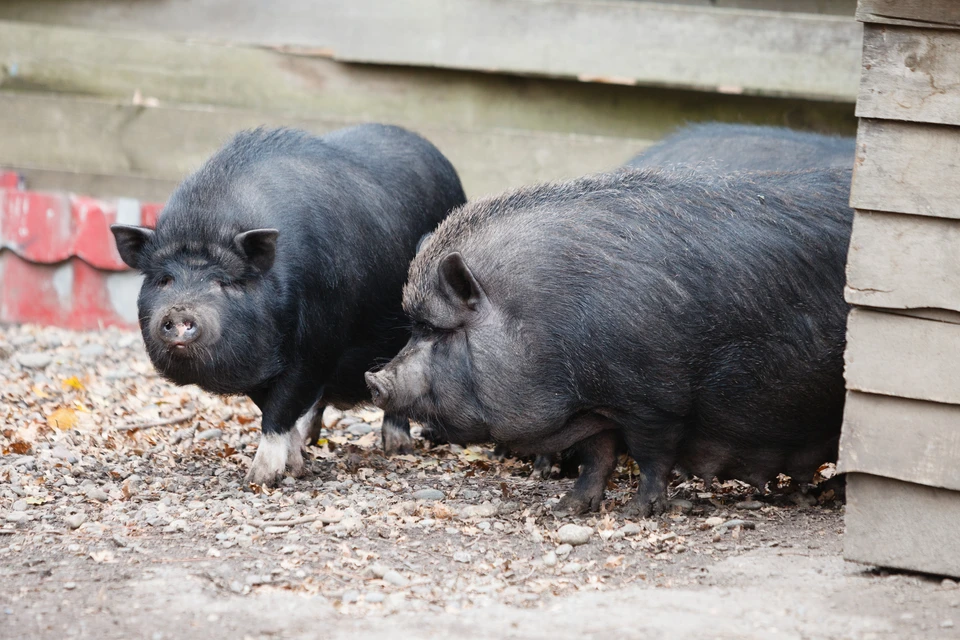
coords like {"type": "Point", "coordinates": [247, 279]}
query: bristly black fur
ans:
{"type": "Point", "coordinates": [699, 318]}
{"type": "Point", "coordinates": [349, 206]}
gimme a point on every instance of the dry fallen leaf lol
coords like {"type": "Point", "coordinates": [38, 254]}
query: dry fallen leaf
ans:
{"type": "Point", "coordinates": [369, 440]}
{"type": "Point", "coordinates": [73, 382]}
{"type": "Point", "coordinates": [613, 562]}
{"type": "Point", "coordinates": [38, 499]}
{"type": "Point", "coordinates": [105, 556]}
{"type": "Point", "coordinates": [63, 419]}
{"type": "Point", "coordinates": [39, 392]}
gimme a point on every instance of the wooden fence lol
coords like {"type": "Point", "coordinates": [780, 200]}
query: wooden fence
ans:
{"type": "Point", "coordinates": [901, 436]}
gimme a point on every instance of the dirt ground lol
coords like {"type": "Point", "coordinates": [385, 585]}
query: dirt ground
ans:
{"type": "Point", "coordinates": [123, 515]}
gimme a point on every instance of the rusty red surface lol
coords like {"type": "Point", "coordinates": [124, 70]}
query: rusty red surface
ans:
{"type": "Point", "coordinates": [58, 262]}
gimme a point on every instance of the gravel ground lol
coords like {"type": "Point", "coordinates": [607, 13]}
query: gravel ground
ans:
{"type": "Point", "coordinates": [123, 515]}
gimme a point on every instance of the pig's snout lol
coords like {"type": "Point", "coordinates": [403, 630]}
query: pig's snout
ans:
{"type": "Point", "coordinates": [178, 328]}
{"type": "Point", "coordinates": [378, 388]}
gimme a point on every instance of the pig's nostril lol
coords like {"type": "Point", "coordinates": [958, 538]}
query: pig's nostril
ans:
{"type": "Point", "coordinates": [168, 326]}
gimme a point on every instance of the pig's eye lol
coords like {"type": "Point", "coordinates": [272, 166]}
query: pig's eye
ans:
{"type": "Point", "coordinates": [166, 281]}
{"type": "Point", "coordinates": [223, 284]}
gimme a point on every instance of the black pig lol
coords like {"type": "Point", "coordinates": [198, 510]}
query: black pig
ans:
{"type": "Point", "coordinates": [693, 319]}
{"type": "Point", "coordinates": [276, 271]}
{"type": "Point", "coordinates": [723, 148]}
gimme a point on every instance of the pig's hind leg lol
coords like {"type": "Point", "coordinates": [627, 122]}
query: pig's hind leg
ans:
{"type": "Point", "coordinates": [598, 459]}
{"type": "Point", "coordinates": [653, 446]}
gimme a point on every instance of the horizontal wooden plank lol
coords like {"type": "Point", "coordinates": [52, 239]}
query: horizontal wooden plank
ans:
{"type": "Point", "coordinates": [944, 14]}
{"type": "Point", "coordinates": [165, 143]}
{"type": "Point", "coordinates": [96, 185]}
{"type": "Point", "coordinates": [828, 7]}
{"type": "Point", "coordinates": [118, 66]}
{"type": "Point", "coordinates": [726, 50]}
{"type": "Point", "coordinates": [910, 74]}
{"type": "Point", "coordinates": [902, 525]}
{"type": "Point", "coordinates": [898, 355]}
{"type": "Point", "coordinates": [909, 440]}
{"type": "Point", "coordinates": [903, 262]}
{"type": "Point", "coordinates": [907, 168]}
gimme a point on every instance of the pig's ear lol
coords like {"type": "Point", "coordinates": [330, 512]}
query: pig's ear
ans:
{"type": "Point", "coordinates": [423, 239]}
{"type": "Point", "coordinates": [130, 242]}
{"type": "Point", "coordinates": [458, 284]}
{"type": "Point", "coordinates": [259, 246]}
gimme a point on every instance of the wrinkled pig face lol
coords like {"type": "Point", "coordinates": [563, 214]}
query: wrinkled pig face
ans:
{"type": "Point", "coordinates": [203, 307]}
{"type": "Point", "coordinates": [459, 368]}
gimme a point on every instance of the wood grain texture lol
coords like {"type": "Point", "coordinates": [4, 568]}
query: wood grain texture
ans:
{"type": "Point", "coordinates": [907, 168]}
{"type": "Point", "coordinates": [726, 50]}
{"type": "Point", "coordinates": [42, 58]}
{"type": "Point", "coordinates": [904, 262]}
{"type": "Point", "coordinates": [165, 143]}
{"type": "Point", "coordinates": [943, 14]}
{"type": "Point", "coordinates": [902, 525]}
{"type": "Point", "coordinates": [902, 356]}
{"type": "Point", "coordinates": [909, 440]}
{"type": "Point", "coordinates": [910, 74]}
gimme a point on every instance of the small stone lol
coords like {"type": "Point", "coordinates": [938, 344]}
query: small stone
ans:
{"type": "Point", "coordinates": [429, 494]}
{"type": "Point", "coordinates": [75, 520]}
{"type": "Point", "coordinates": [484, 510]}
{"type": "Point", "coordinates": [20, 505]}
{"type": "Point", "coordinates": [550, 560]}
{"type": "Point", "coordinates": [469, 494]}
{"type": "Point", "coordinates": [210, 434]}
{"type": "Point", "coordinates": [394, 578]}
{"type": "Point", "coordinates": [62, 453]}
{"type": "Point", "coordinates": [6, 350]}
{"type": "Point", "coordinates": [69, 586]}
{"type": "Point", "coordinates": [736, 522]}
{"type": "Point", "coordinates": [34, 360]}
{"type": "Point", "coordinates": [96, 493]}
{"type": "Point", "coordinates": [571, 567]}
{"type": "Point", "coordinates": [749, 505]}
{"type": "Point", "coordinates": [330, 515]}
{"type": "Point", "coordinates": [175, 525]}
{"type": "Point", "coordinates": [946, 624]}
{"type": "Point", "coordinates": [948, 584]}
{"type": "Point", "coordinates": [92, 350]}
{"type": "Point", "coordinates": [374, 597]}
{"type": "Point", "coordinates": [359, 429]}
{"type": "Point", "coordinates": [16, 516]}
{"type": "Point", "coordinates": [574, 534]}
{"type": "Point", "coordinates": [679, 505]}
{"type": "Point", "coordinates": [350, 597]}
{"type": "Point", "coordinates": [631, 529]}
{"type": "Point", "coordinates": [713, 522]}
{"type": "Point", "coordinates": [461, 556]}
{"type": "Point", "coordinates": [564, 550]}
{"type": "Point", "coordinates": [349, 525]}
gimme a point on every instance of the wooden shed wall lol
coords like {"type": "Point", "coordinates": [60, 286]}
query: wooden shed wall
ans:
{"type": "Point", "coordinates": [901, 434]}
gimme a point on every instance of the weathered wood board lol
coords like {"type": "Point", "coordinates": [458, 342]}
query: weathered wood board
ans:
{"type": "Point", "coordinates": [96, 185]}
{"type": "Point", "coordinates": [726, 50]}
{"type": "Point", "coordinates": [903, 525]}
{"type": "Point", "coordinates": [165, 143]}
{"type": "Point", "coordinates": [904, 262]}
{"type": "Point", "coordinates": [943, 14]}
{"type": "Point", "coordinates": [903, 356]}
{"type": "Point", "coordinates": [913, 74]}
{"type": "Point", "coordinates": [910, 440]}
{"type": "Point", "coordinates": [42, 58]}
{"type": "Point", "coordinates": [907, 168]}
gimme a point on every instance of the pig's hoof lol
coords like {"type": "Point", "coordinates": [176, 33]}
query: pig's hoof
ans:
{"type": "Point", "coordinates": [641, 508]}
{"type": "Point", "coordinates": [432, 435]}
{"type": "Point", "coordinates": [275, 454]}
{"type": "Point", "coordinates": [573, 504]}
{"type": "Point", "coordinates": [396, 442]}
{"type": "Point", "coordinates": [500, 453]}
{"type": "Point", "coordinates": [543, 467]}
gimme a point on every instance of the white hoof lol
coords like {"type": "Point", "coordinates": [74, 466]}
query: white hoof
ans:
{"type": "Point", "coordinates": [275, 454]}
